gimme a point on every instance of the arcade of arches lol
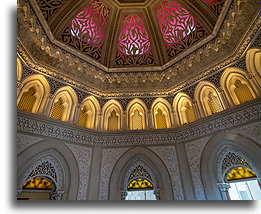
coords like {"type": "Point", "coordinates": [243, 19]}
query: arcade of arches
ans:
{"type": "Point", "coordinates": [138, 100]}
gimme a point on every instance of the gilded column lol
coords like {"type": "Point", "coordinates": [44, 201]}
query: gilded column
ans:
{"type": "Point", "coordinates": [48, 105]}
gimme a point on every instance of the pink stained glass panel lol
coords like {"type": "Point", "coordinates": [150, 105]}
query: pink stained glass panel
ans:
{"type": "Point", "coordinates": [90, 24]}
{"type": "Point", "coordinates": [175, 21]}
{"type": "Point", "coordinates": [133, 38]}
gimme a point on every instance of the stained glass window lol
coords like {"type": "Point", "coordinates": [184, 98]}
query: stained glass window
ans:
{"type": "Point", "coordinates": [174, 20]}
{"type": "Point", "coordinates": [140, 184]}
{"type": "Point", "coordinates": [38, 183]}
{"type": "Point", "coordinates": [133, 38]}
{"type": "Point", "coordinates": [240, 173]}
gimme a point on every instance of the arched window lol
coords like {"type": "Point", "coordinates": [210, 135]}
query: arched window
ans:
{"type": "Point", "coordinates": [33, 94]}
{"type": "Point", "coordinates": [243, 184]}
{"type": "Point", "coordinates": [113, 121]}
{"type": "Point", "coordinates": [236, 86]}
{"type": "Point", "coordinates": [88, 116]}
{"type": "Point", "coordinates": [112, 115]}
{"type": "Point", "coordinates": [161, 113]}
{"type": "Point", "coordinates": [208, 99]}
{"type": "Point", "coordinates": [136, 114]}
{"type": "Point", "coordinates": [253, 63]}
{"type": "Point", "coordinates": [27, 100]}
{"type": "Point", "coordinates": [183, 106]}
{"type": "Point", "coordinates": [58, 109]}
{"type": "Point", "coordinates": [64, 104]}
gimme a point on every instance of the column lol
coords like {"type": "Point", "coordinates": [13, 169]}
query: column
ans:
{"type": "Point", "coordinates": [227, 105]}
{"type": "Point", "coordinates": [94, 183]}
{"type": "Point", "coordinates": [48, 105]}
{"type": "Point", "coordinates": [254, 84]}
{"type": "Point", "coordinates": [77, 114]}
{"type": "Point", "coordinates": [150, 126]}
{"type": "Point", "coordinates": [185, 173]}
{"type": "Point", "coordinates": [124, 121]}
{"type": "Point", "coordinates": [196, 109]}
{"type": "Point", "coordinates": [19, 85]}
{"type": "Point", "coordinates": [176, 122]}
{"type": "Point", "coordinates": [99, 122]}
{"type": "Point", "coordinates": [223, 188]}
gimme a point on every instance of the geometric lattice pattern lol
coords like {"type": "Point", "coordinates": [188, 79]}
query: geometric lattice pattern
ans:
{"type": "Point", "coordinates": [175, 21]}
{"type": "Point", "coordinates": [45, 168]}
{"type": "Point", "coordinates": [134, 46]}
{"type": "Point", "coordinates": [190, 113]}
{"type": "Point", "coordinates": [87, 30]}
{"type": "Point", "coordinates": [243, 93]}
{"type": "Point", "coordinates": [160, 120]}
{"type": "Point", "coordinates": [113, 121]}
{"type": "Point", "coordinates": [240, 173]}
{"type": "Point", "coordinates": [137, 120]}
{"type": "Point", "coordinates": [215, 5]}
{"type": "Point", "coordinates": [57, 111]}
{"type": "Point", "coordinates": [49, 7]}
{"type": "Point", "coordinates": [140, 184]}
{"type": "Point", "coordinates": [139, 172]}
{"type": "Point", "coordinates": [214, 104]}
{"type": "Point", "coordinates": [232, 159]}
{"type": "Point", "coordinates": [38, 183]}
{"type": "Point", "coordinates": [83, 117]}
{"type": "Point", "coordinates": [27, 100]}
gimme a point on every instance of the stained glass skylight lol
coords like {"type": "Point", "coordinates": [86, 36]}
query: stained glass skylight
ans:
{"type": "Point", "coordinates": [133, 38]}
{"type": "Point", "coordinates": [174, 20]}
{"type": "Point", "coordinates": [90, 24]}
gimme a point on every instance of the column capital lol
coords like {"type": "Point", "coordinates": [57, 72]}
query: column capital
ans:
{"type": "Point", "coordinates": [223, 187]}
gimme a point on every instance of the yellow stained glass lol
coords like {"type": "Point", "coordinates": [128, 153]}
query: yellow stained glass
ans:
{"type": "Point", "coordinates": [240, 173]}
{"type": "Point", "coordinates": [38, 183]}
{"type": "Point", "coordinates": [140, 184]}
{"type": "Point", "coordinates": [27, 100]}
{"type": "Point", "coordinates": [243, 93]}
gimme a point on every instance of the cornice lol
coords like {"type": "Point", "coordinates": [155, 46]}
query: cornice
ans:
{"type": "Point", "coordinates": [227, 120]}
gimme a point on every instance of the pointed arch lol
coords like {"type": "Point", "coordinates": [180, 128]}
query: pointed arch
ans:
{"type": "Point", "coordinates": [253, 63]}
{"type": "Point", "coordinates": [160, 175]}
{"type": "Point", "coordinates": [137, 114]}
{"type": "Point", "coordinates": [89, 113]}
{"type": "Point", "coordinates": [236, 86]}
{"type": "Point", "coordinates": [208, 99]}
{"type": "Point", "coordinates": [216, 151]}
{"type": "Point", "coordinates": [33, 94]}
{"type": "Point", "coordinates": [161, 113]}
{"type": "Point", "coordinates": [112, 115]}
{"type": "Point", "coordinates": [64, 104]}
{"type": "Point", "coordinates": [182, 104]}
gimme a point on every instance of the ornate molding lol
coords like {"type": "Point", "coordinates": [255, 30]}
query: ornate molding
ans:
{"type": "Point", "coordinates": [222, 121]}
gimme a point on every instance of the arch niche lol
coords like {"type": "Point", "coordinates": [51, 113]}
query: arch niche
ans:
{"type": "Point", "coordinates": [213, 156]}
{"type": "Point", "coordinates": [63, 168]}
{"type": "Point", "coordinates": [160, 175]}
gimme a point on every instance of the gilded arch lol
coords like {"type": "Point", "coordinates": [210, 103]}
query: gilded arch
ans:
{"type": "Point", "coordinates": [130, 159]}
{"type": "Point", "coordinates": [112, 115]}
{"type": "Point", "coordinates": [40, 92]}
{"type": "Point", "coordinates": [182, 104]}
{"type": "Point", "coordinates": [136, 105]}
{"type": "Point", "coordinates": [64, 104]}
{"type": "Point", "coordinates": [229, 81]}
{"type": "Point", "coordinates": [19, 70]}
{"type": "Point", "coordinates": [161, 113]}
{"type": "Point", "coordinates": [89, 113]}
{"type": "Point", "coordinates": [208, 99]}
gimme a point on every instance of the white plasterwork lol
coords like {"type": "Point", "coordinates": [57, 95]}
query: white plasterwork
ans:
{"type": "Point", "coordinates": [83, 157]}
{"type": "Point", "coordinates": [24, 141]}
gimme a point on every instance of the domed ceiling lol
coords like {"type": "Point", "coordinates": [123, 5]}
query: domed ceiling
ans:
{"type": "Point", "coordinates": [131, 35]}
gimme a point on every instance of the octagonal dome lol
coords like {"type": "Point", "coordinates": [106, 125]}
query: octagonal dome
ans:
{"type": "Point", "coordinates": [132, 35]}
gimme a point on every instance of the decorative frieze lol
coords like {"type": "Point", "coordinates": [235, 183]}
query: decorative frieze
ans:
{"type": "Point", "coordinates": [222, 121]}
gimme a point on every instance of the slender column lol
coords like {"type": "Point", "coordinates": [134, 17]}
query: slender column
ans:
{"type": "Point", "coordinates": [224, 98]}
{"type": "Point", "coordinates": [94, 183]}
{"type": "Point", "coordinates": [223, 188]}
{"type": "Point", "coordinates": [185, 172]}
{"type": "Point", "coordinates": [124, 121]}
{"type": "Point", "coordinates": [77, 114]}
{"type": "Point", "coordinates": [176, 122]}
{"type": "Point", "coordinates": [254, 84]}
{"type": "Point", "coordinates": [196, 109]}
{"type": "Point", "coordinates": [99, 125]}
{"type": "Point", "coordinates": [149, 120]}
{"type": "Point", "coordinates": [48, 104]}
